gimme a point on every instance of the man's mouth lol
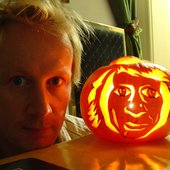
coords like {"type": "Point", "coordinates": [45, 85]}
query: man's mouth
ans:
{"type": "Point", "coordinates": [37, 131]}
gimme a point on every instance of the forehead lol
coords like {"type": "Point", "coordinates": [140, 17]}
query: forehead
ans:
{"type": "Point", "coordinates": [135, 79]}
{"type": "Point", "coordinates": [16, 32]}
{"type": "Point", "coordinates": [28, 46]}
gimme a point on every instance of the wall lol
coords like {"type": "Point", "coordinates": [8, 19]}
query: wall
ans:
{"type": "Point", "coordinates": [93, 10]}
{"type": "Point", "coordinates": [160, 29]}
{"type": "Point", "coordinates": [154, 16]}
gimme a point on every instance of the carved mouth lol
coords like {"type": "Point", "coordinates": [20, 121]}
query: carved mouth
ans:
{"type": "Point", "coordinates": [129, 126]}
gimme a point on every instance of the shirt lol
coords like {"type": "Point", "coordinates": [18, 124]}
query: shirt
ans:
{"type": "Point", "coordinates": [73, 127]}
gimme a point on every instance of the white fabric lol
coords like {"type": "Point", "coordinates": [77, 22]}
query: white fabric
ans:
{"type": "Point", "coordinates": [73, 127]}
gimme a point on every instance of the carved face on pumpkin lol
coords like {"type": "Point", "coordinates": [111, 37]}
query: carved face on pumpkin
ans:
{"type": "Point", "coordinates": [127, 101]}
{"type": "Point", "coordinates": [135, 105]}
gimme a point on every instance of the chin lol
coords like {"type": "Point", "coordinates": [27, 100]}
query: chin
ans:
{"type": "Point", "coordinates": [36, 144]}
{"type": "Point", "coordinates": [43, 143]}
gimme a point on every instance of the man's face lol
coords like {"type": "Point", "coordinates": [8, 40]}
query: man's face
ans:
{"type": "Point", "coordinates": [35, 85]}
{"type": "Point", "coordinates": [136, 104]}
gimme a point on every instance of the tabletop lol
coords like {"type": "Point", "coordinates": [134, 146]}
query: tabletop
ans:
{"type": "Point", "coordinates": [92, 153]}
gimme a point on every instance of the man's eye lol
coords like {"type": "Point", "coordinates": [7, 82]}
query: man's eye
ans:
{"type": "Point", "coordinates": [122, 91]}
{"type": "Point", "coordinates": [56, 81]}
{"type": "Point", "coordinates": [18, 81]}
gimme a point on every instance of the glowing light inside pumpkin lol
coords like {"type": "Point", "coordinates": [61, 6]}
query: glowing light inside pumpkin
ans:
{"type": "Point", "coordinates": [165, 109]}
{"type": "Point", "coordinates": [138, 115]}
{"type": "Point", "coordinates": [131, 105]}
{"type": "Point", "coordinates": [93, 117]}
{"type": "Point", "coordinates": [125, 90]}
{"type": "Point", "coordinates": [91, 97]}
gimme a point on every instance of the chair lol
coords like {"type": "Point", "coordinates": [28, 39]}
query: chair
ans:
{"type": "Point", "coordinates": [107, 45]}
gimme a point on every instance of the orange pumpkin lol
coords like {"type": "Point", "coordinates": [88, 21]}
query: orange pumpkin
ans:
{"type": "Point", "coordinates": [127, 101]}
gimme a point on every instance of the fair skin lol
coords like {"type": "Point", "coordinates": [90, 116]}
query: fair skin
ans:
{"type": "Point", "coordinates": [35, 86]}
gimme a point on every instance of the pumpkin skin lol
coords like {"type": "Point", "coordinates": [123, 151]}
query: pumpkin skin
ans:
{"type": "Point", "coordinates": [127, 101]}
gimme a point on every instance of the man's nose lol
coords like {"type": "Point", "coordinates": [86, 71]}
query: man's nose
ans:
{"type": "Point", "coordinates": [39, 103]}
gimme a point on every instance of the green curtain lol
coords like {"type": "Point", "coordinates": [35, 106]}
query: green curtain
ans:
{"type": "Point", "coordinates": [124, 12]}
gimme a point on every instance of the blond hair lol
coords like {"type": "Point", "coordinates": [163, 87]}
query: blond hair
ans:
{"type": "Point", "coordinates": [52, 16]}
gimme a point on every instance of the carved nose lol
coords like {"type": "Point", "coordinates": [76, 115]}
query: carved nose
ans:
{"type": "Point", "coordinates": [135, 109]}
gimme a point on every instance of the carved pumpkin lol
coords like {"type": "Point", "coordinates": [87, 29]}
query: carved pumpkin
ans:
{"type": "Point", "coordinates": [128, 101]}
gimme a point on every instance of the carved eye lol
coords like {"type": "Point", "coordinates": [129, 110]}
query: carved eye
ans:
{"type": "Point", "coordinates": [151, 93]}
{"type": "Point", "coordinates": [122, 91]}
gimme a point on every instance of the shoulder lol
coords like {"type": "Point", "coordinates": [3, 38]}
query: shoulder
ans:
{"type": "Point", "coordinates": [73, 127]}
